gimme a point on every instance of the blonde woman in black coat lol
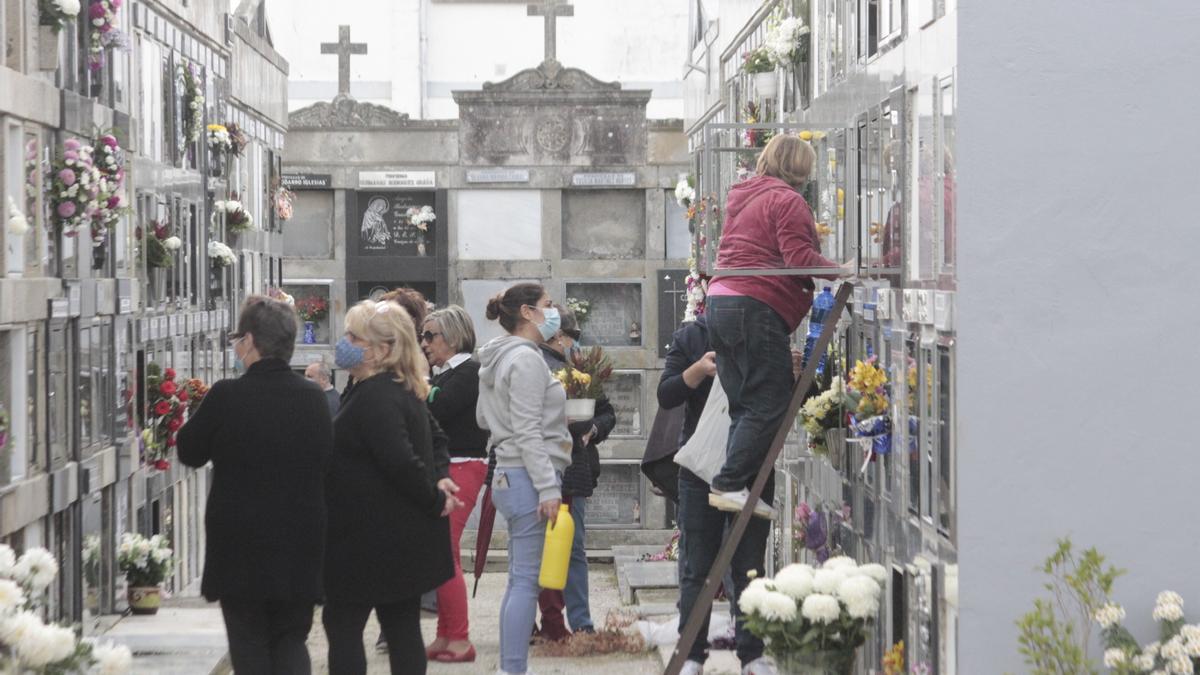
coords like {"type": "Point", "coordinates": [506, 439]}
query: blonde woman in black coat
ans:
{"type": "Point", "coordinates": [389, 538]}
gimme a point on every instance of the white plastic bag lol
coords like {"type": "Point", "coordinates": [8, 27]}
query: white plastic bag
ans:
{"type": "Point", "coordinates": [704, 453]}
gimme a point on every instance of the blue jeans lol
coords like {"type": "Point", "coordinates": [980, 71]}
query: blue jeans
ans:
{"type": "Point", "coordinates": [579, 613]}
{"type": "Point", "coordinates": [702, 531]}
{"type": "Point", "coordinates": [754, 363]}
{"type": "Point", "coordinates": [517, 500]}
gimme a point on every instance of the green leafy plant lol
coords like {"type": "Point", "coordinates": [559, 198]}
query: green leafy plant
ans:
{"type": "Point", "coordinates": [1055, 635]}
{"type": "Point", "coordinates": [758, 61]}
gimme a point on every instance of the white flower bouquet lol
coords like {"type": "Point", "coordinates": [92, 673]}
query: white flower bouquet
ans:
{"type": "Point", "coordinates": [237, 218]}
{"type": "Point", "coordinates": [806, 611]}
{"type": "Point", "coordinates": [1176, 651]}
{"type": "Point", "coordinates": [420, 218]}
{"type": "Point", "coordinates": [57, 13]}
{"type": "Point", "coordinates": [144, 562]}
{"type": "Point", "coordinates": [784, 42]}
{"type": "Point", "coordinates": [219, 139]}
{"type": "Point", "coordinates": [18, 224]}
{"type": "Point", "coordinates": [27, 644]}
{"type": "Point", "coordinates": [220, 254]}
{"type": "Point", "coordinates": [685, 192]}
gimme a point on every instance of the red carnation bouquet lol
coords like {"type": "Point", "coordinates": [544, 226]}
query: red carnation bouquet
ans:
{"type": "Point", "coordinates": [166, 402]}
{"type": "Point", "coordinates": [194, 389]}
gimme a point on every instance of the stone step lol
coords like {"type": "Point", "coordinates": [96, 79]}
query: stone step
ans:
{"type": "Point", "coordinates": [597, 539]}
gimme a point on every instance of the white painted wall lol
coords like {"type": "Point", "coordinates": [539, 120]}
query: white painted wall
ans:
{"type": "Point", "coordinates": [1077, 305]}
{"type": "Point", "coordinates": [641, 43]}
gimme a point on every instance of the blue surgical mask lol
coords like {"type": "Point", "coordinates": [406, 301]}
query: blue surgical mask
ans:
{"type": "Point", "coordinates": [347, 355]}
{"type": "Point", "coordinates": [552, 322]}
{"type": "Point", "coordinates": [239, 367]}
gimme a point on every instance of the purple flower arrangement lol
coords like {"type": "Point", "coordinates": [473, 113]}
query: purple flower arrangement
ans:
{"type": "Point", "coordinates": [110, 162]}
{"type": "Point", "coordinates": [74, 187]}
{"type": "Point", "coordinates": [102, 14]}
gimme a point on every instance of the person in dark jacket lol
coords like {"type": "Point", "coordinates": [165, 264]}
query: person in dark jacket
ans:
{"type": "Point", "coordinates": [269, 437]}
{"type": "Point", "coordinates": [389, 539]}
{"type": "Point", "coordinates": [579, 481]}
{"type": "Point", "coordinates": [448, 340]}
{"type": "Point", "coordinates": [318, 372]}
{"type": "Point", "coordinates": [686, 380]}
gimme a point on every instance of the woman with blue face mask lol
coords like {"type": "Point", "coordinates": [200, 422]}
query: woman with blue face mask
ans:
{"type": "Point", "coordinates": [389, 538]}
{"type": "Point", "coordinates": [524, 409]}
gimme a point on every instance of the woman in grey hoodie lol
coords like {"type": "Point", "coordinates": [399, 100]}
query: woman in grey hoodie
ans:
{"type": "Point", "coordinates": [524, 408]}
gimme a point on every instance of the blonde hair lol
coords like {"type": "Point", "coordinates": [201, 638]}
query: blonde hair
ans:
{"type": "Point", "coordinates": [788, 158]}
{"type": "Point", "coordinates": [388, 324]}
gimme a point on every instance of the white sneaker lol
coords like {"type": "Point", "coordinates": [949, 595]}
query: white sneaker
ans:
{"type": "Point", "coordinates": [734, 501]}
{"type": "Point", "coordinates": [692, 668]}
{"type": "Point", "coordinates": [760, 666]}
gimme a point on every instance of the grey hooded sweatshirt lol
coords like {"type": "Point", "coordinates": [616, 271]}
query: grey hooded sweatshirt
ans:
{"type": "Point", "coordinates": [524, 408]}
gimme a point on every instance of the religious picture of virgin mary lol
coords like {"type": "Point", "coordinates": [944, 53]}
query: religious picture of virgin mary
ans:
{"type": "Point", "coordinates": [374, 226]}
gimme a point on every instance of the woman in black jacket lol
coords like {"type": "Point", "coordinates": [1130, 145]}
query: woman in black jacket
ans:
{"type": "Point", "coordinates": [389, 540]}
{"type": "Point", "coordinates": [448, 340]}
{"type": "Point", "coordinates": [269, 438]}
{"type": "Point", "coordinates": [579, 481]}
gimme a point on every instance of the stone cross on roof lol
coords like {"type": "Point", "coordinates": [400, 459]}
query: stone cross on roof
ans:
{"type": "Point", "coordinates": [343, 48]}
{"type": "Point", "coordinates": [551, 10]}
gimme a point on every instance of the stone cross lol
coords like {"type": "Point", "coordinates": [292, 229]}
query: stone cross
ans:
{"type": "Point", "coordinates": [343, 48]}
{"type": "Point", "coordinates": [550, 10]}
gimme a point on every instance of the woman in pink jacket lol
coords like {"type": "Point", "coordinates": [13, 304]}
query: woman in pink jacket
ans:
{"type": "Point", "coordinates": [768, 225]}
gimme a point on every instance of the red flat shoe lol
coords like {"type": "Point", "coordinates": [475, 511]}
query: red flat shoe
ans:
{"type": "Point", "coordinates": [433, 654]}
{"type": "Point", "coordinates": [450, 657]}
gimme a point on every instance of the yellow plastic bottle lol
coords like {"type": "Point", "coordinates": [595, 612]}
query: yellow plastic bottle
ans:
{"type": "Point", "coordinates": [556, 555]}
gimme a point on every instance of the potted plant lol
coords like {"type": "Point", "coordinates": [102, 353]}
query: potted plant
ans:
{"type": "Point", "coordinates": [813, 620]}
{"type": "Point", "coordinates": [759, 66]}
{"type": "Point", "coordinates": [824, 419]}
{"type": "Point", "coordinates": [145, 564]}
{"type": "Point", "coordinates": [583, 378]}
{"type": "Point", "coordinates": [311, 310]}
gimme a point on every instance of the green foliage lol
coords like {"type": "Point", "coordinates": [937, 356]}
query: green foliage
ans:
{"type": "Point", "coordinates": [758, 61]}
{"type": "Point", "coordinates": [1054, 637]}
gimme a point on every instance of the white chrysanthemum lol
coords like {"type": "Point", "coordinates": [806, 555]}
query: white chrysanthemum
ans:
{"type": "Point", "coordinates": [44, 644]}
{"type": "Point", "coordinates": [821, 608]}
{"type": "Point", "coordinates": [1110, 615]}
{"type": "Point", "coordinates": [1114, 658]}
{"type": "Point", "coordinates": [861, 595]}
{"type": "Point", "coordinates": [795, 580]}
{"type": "Point", "coordinates": [12, 597]}
{"type": "Point", "coordinates": [1172, 649]}
{"type": "Point", "coordinates": [1168, 612]}
{"type": "Point", "coordinates": [1192, 647]}
{"type": "Point", "coordinates": [873, 570]}
{"type": "Point", "coordinates": [112, 659]}
{"type": "Point", "coordinates": [1152, 648]}
{"type": "Point", "coordinates": [751, 600]}
{"type": "Point", "coordinates": [1143, 662]}
{"type": "Point", "coordinates": [172, 243]}
{"type": "Point", "coordinates": [826, 581]}
{"type": "Point", "coordinates": [841, 562]}
{"type": "Point", "coordinates": [778, 607]}
{"type": "Point", "coordinates": [18, 224]}
{"type": "Point", "coordinates": [1169, 598]}
{"type": "Point", "coordinates": [1181, 665]}
{"type": "Point", "coordinates": [36, 568]}
{"type": "Point", "coordinates": [8, 560]}
{"type": "Point", "coordinates": [69, 8]}
{"type": "Point", "coordinates": [1190, 632]}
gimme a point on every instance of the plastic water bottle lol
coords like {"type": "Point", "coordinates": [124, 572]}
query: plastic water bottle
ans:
{"type": "Point", "coordinates": [556, 554]}
{"type": "Point", "coordinates": [820, 309]}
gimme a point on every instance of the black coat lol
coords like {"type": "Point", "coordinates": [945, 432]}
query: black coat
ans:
{"type": "Point", "coordinates": [269, 437]}
{"type": "Point", "coordinates": [441, 443]}
{"type": "Point", "coordinates": [452, 402]}
{"type": "Point", "coordinates": [583, 475]}
{"type": "Point", "coordinates": [689, 344]}
{"type": "Point", "coordinates": [387, 538]}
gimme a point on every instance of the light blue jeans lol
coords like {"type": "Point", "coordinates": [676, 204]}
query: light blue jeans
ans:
{"type": "Point", "coordinates": [579, 613]}
{"type": "Point", "coordinates": [517, 500]}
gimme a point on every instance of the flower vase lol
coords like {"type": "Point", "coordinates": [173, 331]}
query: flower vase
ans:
{"type": "Point", "coordinates": [216, 165]}
{"type": "Point", "coordinates": [800, 79]}
{"type": "Point", "coordinates": [145, 599]}
{"type": "Point", "coordinates": [310, 333]}
{"type": "Point", "coordinates": [580, 409]}
{"type": "Point", "coordinates": [421, 249]}
{"type": "Point", "coordinates": [816, 663]}
{"type": "Point", "coordinates": [766, 84]}
{"type": "Point", "coordinates": [158, 284]}
{"type": "Point", "coordinates": [835, 443]}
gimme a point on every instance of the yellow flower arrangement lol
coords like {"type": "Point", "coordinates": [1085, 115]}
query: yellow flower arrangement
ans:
{"type": "Point", "coordinates": [869, 381]}
{"type": "Point", "coordinates": [893, 660]}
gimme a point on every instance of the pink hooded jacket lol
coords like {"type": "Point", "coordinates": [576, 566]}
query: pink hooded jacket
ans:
{"type": "Point", "coordinates": [768, 225]}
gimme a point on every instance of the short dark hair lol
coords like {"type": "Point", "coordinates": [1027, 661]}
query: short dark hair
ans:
{"type": "Point", "coordinates": [412, 300]}
{"type": "Point", "coordinates": [507, 306]}
{"type": "Point", "coordinates": [273, 324]}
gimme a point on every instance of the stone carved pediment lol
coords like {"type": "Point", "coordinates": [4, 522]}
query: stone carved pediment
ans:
{"type": "Point", "coordinates": [551, 76]}
{"type": "Point", "coordinates": [345, 111]}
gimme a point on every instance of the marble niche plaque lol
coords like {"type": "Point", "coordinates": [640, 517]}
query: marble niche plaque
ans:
{"type": "Point", "coordinates": [604, 225]}
{"type": "Point", "coordinates": [624, 391]}
{"type": "Point", "coordinates": [309, 234]}
{"type": "Point", "coordinates": [615, 316]}
{"type": "Point", "coordinates": [385, 228]}
{"type": "Point", "coordinates": [672, 305]}
{"type": "Point", "coordinates": [618, 497]}
{"type": "Point", "coordinates": [499, 224]}
{"type": "Point", "coordinates": [679, 237]}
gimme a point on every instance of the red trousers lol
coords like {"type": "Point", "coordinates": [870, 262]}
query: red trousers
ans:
{"type": "Point", "coordinates": [453, 618]}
